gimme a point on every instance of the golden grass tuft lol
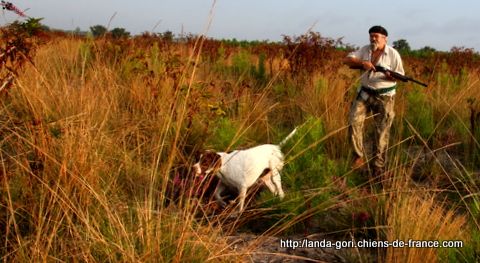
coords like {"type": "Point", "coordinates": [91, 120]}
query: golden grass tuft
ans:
{"type": "Point", "coordinates": [419, 216]}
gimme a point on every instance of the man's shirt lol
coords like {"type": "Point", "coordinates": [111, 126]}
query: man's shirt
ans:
{"type": "Point", "coordinates": [390, 59]}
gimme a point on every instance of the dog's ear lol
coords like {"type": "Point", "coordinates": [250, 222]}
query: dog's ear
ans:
{"type": "Point", "coordinates": [208, 157]}
{"type": "Point", "coordinates": [216, 160]}
{"type": "Point", "coordinates": [210, 161]}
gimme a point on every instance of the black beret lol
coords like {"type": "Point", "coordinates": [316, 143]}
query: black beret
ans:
{"type": "Point", "coordinates": [378, 29]}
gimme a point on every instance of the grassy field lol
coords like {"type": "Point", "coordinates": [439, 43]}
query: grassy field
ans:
{"type": "Point", "coordinates": [94, 131]}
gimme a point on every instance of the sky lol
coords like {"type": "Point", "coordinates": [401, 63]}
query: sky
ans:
{"type": "Point", "coordinates": [438, 24]}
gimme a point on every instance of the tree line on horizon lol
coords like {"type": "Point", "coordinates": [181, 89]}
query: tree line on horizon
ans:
{"type": "Point", "coordinates": [402, 45]}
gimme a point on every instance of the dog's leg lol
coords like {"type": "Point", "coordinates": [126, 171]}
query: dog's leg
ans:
{"type": "Point", "coordinates": [218, 194]}
{"type": "Point", "coordinates": [242, 195]}
{"type": "Point", "coordinates": [277, 181]}
{"type": "Point", "coordinates": [267, 179]}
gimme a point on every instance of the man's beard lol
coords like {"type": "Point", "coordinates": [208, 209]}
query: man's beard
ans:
{"type": "Point", "coordinates": [373, 46]}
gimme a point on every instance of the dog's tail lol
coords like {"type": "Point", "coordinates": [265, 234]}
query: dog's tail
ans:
{"type": "Point", "coordinates": [288, 137]}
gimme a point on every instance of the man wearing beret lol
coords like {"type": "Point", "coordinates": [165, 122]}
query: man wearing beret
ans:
{"type": "Point", "coordinates": [376, 94]}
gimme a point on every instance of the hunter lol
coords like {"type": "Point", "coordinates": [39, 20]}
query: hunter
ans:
{"type": "Point", "coordinates": [376, 95]}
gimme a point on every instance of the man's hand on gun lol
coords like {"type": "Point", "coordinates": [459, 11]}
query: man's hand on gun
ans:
{"type": "Point", "coordinates": [388, 76]}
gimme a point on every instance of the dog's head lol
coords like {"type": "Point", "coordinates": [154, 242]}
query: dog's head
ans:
{"type": "Point", "coordinates": [207, 162]}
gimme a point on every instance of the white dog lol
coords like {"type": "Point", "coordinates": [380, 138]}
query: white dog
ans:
{"type": "Point", "coordinates": [242, 168]}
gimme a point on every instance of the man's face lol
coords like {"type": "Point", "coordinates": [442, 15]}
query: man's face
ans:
{"type": "Point", "coordinates": [377, 41]}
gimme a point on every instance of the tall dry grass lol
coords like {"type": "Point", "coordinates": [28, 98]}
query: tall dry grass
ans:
{"type": "Point", "coordinates": [92, 135]}
{"type": "Point", "coordinates": [86, 157]}
{"type": "Point", "coordinates": [419, 216]}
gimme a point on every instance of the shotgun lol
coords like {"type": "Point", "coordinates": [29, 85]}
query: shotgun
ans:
{"type": "Point", "coordinates": [395, 75]}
